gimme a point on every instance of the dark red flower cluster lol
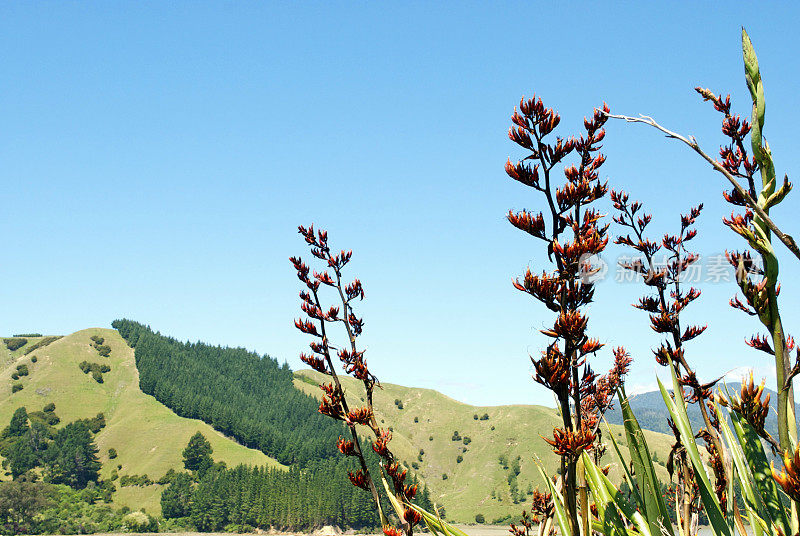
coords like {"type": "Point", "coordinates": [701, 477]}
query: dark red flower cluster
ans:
{"type": "Point", "coordinates": [574, 238]}
{"type": "Point", "coordinates": [569, 443]}
{"type": "Point", "coordinates": [318, 323]}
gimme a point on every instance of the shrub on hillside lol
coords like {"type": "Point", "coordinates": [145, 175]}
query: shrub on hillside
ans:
{"type": "Point", "coordinates": [41, 344]}
{"type": "Point", "coordinates": [96, 369]}
{"type": "Point", "coordinates": [15, 343]}
{"type": "Point", "coordinates": [104, 350]}
{"type": "Point", "coordinates": [139, 522]}
{"type": "Point", "coordinates": [22, 370]}
{"type": "Point", "coordinates": [16, 387]}
{"type": "Point", "coordinates": [112, 453]}
{"type": "Point", "coordinates": [135, 480]}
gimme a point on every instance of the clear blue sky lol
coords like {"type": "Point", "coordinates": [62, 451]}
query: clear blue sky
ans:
{"type": "Point", "coordinates": [157, 158]}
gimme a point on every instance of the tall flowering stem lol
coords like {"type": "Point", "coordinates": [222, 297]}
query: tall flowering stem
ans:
{"type": "Point", "coordinates": [669, 298]}
{"type": "Point", "coordinates": [572, 236]}
{"type": "Point", "coordinates": [318, 323]}
{"type": "Point", "coordinates": [756, 190]}
{"type": "Point", "coordinates": [758, 284]}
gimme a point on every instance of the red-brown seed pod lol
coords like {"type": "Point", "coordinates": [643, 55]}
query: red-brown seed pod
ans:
{"type": "Point", "coordinates": [359, 479]}
{"type": "Point", "coordinates": [346, 447]}
{"type": "Point", "coordinates": [360, 415]}
{"type": "Point", "coordinates": [380, 445]}
{"type": "Point", "coordinates": [412, 517]}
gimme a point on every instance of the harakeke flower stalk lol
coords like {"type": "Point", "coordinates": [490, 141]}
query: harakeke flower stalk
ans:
{"type": "Point", "coordinates": [572, 235]}
{"type": "Point", "coordinates": [334, 404]}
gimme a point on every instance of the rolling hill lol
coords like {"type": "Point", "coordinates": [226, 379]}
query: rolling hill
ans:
{"type": "Point", "coordinates": [148, 437]}
{"type": "Point", "coordinates": [473, 459]}
{"type": "Point", "coordinates": [424, 420]}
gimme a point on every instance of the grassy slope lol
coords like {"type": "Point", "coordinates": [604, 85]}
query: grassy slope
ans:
{"type": "Point", "coordinates": [148, 436]}
{"type": "Point", "coordinates": [469, 486]}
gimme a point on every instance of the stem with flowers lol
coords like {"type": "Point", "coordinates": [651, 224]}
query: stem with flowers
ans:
{"type": "Point", "coordinates": [572, 235]}
{"type": "Point", "coordinates": [759, 285]}
{"type": "Point", "coordinates": [334, 403]}
{"type": "Point", "coordinates": [665, 308]}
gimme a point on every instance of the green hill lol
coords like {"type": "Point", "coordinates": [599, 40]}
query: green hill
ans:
{"type": "Point", "coordinates": [479, 483]}
{"type": "Point", "coordinates": [148, 437]}
{"type": "Point", "coordinates": [473, 459]}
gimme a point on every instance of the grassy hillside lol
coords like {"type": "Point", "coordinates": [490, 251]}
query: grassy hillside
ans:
{"type": "Point", "coordinates": [148, 437]}
{"type": "Point", "coordinates": [479, 483]}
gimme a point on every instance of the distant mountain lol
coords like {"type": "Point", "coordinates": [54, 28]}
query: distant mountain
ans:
{"type": "Point", "coordinates": [652, 414]}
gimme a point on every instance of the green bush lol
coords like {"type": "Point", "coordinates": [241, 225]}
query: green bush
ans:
{"type": "Point", "coordinates": [480, 519]}
{"type": "Point", "coordinates": [96, 423]}
{"type": "Point", "coordinates": [467, 440]}
{"type": "Point", "coordinates": [16, 387]}
{"type": "Point", "coordinates": [139, 522]}
{"type": "Point", "coordinates": [15, 343]}
{"type": "Point", "coordinates": [43, 342]}
{"type": "Point", "coordinates": [459, 458]}
{"type": "Point", "coordinates": [112, 453]}
{"type": "Point", "coordinates": [135, 480]}
{"type": "Point", "coordinates": [104, 350]}
{"type": "Point", "coordinates": [97, 340]}
{"type": "Point", "coordinates": [49, 408]}
{"type": "Point", "coordinates": [485, 417]}
{"type": "Point", "coordinates": [96, 369]}
{"type": "Point", "coordinates": [22, 370]}
{"type": "Point", "coordinates": [15, 375]}
{"type": "Point", "coordinates": [34, 359]}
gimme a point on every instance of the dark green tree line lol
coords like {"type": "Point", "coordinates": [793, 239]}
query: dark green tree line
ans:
{"type": "Point", "coordinates": [244, 395]}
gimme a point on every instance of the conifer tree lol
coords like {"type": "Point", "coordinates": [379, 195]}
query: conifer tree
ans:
{"type": "Point", "coordinates": [197, 454]}
{"type": "Point", "coordinates": [72, 457]}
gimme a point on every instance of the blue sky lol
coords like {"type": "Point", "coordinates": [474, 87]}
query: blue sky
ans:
{"type": "Point", "coordinates": [157, 158]}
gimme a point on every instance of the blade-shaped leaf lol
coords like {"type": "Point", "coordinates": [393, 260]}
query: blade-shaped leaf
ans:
{"type": "Point", "coordinates": [753, 501]}
{"type": "Point", "coordinates": [677, 409]}
{"type": "Point", "coordinates": [655, 509]}
{"type": "Point", "coordinates": [604, 501]}
{"type": "Point", "coordinates": [558, 501]}
{"type": "Point", "coordinates": [435, 523]}
{"type": "Point", "coordinates": [626, 474]}
{"type": "Point", "coordinates": [761, 472]}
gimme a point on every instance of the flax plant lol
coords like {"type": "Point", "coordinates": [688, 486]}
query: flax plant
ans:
{"type": "Point", "coordinates": [318, 323]}
{"type": "Point", "coordinates": [570, 231]}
